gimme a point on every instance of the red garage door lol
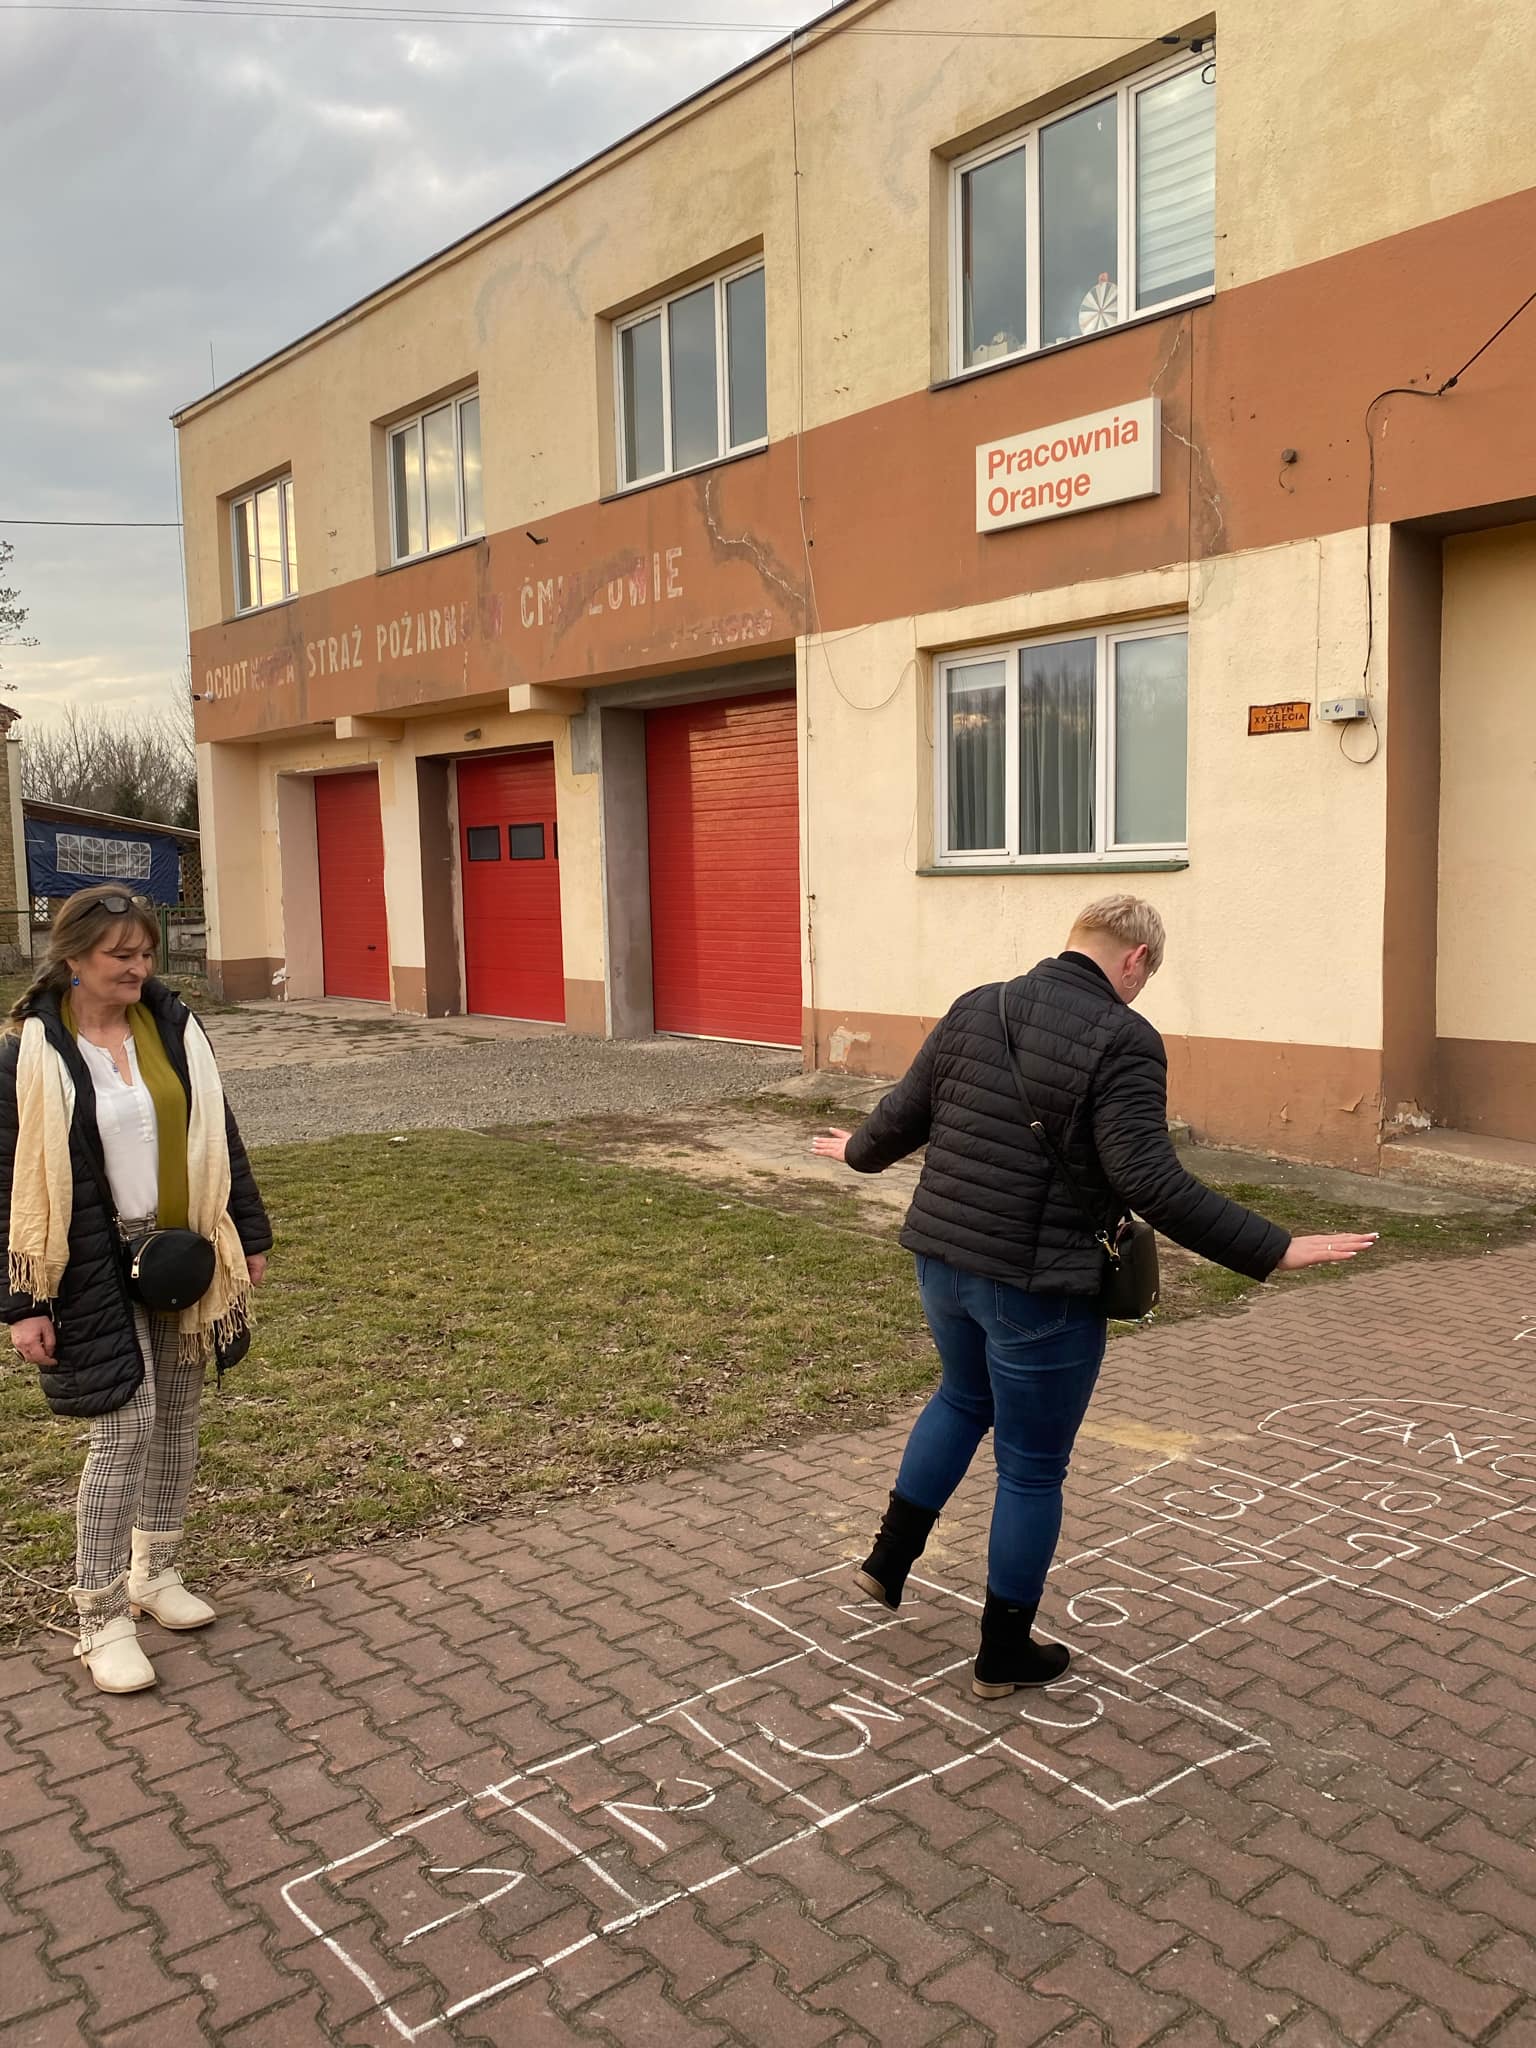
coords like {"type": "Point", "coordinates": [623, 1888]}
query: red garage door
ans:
{"type": "Point", "coordinates": [354, 932]}
{"type": "Point", "coordinates": [722, 788]}
{"type": "Point", "coordinates": [509, 854]}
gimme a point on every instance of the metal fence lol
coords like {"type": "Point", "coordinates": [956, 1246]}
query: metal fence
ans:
{"type": "Point", "coordinates": [183, 937]}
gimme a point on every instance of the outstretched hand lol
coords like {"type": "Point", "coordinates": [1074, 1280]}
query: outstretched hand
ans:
{"type": "Point", "coordinates": [1324, 1251]}
{"type": "Point", "coordinates": [831, 1144]}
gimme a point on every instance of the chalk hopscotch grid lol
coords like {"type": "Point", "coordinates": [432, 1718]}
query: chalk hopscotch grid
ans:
{"type": "Point", "coordinates": [1234, 1739]}
{"type": "Point", "coordinates": [978, 1741]}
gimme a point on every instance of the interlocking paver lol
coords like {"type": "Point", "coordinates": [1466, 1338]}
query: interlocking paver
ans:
{"type": "Point", "coordinates": [1298, 1818]}
{"type": "Point", "coordinates": [123, 1979]}
{"type": "Point", "coordinates": [26, 1983]}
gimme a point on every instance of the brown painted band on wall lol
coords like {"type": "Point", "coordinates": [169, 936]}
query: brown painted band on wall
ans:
{"type": "Point", "coordinates": [586, 1008]}
{"type": "Point", "coordinates": [1312, 1102]}
{"type": "Point", "coordinates": [635, 586]}
{"type": "Point", "coordinates": [242, 981]}
{"type": "Point", "coordinates": [1487, 1086]}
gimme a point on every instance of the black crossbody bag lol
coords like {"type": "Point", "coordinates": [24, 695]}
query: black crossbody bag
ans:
{"type": "Point", "coordinates": [169, 1270]}
{"type": "Point", "coordinates": [1131, 1286]}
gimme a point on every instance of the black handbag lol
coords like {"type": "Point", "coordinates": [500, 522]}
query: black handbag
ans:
{"type": "Point", "coordinates": [1132, 1285]}
{"type": "Point", "coordinates": [169, 1269]}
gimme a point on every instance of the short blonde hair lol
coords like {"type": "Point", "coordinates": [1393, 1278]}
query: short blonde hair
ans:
{"type": "Point", "coordinates": [1129, 921]}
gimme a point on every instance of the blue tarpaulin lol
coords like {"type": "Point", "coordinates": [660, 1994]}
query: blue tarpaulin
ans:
{"type": "Point", "coordinates": [62, 858]}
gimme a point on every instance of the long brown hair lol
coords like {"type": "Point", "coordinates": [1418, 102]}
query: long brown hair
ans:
{"type": "Point", "coordinates": [81, 925]}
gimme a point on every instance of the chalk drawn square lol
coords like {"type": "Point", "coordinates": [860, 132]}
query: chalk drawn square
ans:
{"type": "Point", "coordinates": [1109, 1733]}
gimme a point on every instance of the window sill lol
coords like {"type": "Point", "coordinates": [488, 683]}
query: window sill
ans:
{"type": "Point", "coordinates": [260, 611]}
{"type": "Point", "coordinates": [1060, 348]}
{"type": "Point", "coordinates": [433, 555]}
{"type": "Point", "coordinates": [654, 483]}
{"type": "Point", "coordinates": [1169, 864]}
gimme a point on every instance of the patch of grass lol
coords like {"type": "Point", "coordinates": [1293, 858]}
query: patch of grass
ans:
{"type": "Point", "coordinates": [1191, 1287]}
{"type": "Point", "coordinates": [462, 1321]}
{"type": "Point", "coordinates": [459, 1322]}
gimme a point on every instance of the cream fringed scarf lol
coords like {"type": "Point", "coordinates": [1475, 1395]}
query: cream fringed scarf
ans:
{"type": "Point", "coordinates": [43, 1187]}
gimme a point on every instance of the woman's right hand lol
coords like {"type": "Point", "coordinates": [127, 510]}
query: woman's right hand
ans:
{"type": "Point", "coordinates": [34, 1339]}
{"type": "Point", "coordinates": [832, 1145]}
{"type": "Point", "coordinates": [1324, 1251]}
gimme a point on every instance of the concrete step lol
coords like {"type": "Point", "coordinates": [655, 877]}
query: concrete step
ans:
{"type": "Point", "coordinates": [1460, 1159]}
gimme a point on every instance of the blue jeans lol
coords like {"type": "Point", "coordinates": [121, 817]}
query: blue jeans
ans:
{"type": "Point", "coordinates": [1023, 1366]}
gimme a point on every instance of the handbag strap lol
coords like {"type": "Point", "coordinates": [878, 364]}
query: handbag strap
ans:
{"type": "Point", "coordinates": [1047, 1143]}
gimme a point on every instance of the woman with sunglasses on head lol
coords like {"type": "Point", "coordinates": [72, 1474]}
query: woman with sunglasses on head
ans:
{"type": "Point", "coordinates": [113, 1124]}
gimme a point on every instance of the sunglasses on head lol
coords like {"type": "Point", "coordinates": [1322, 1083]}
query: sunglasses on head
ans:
{"type": "Point", "coordinates": [120, 906]}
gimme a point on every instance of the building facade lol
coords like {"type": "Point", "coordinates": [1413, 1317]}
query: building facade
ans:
{"type": "Point", "coordinates": [760, 585]}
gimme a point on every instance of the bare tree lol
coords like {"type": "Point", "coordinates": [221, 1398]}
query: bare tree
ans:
{"type": "Point", "coordinates": [133, 764]}
{"type": "Point", "coordinates": [13, 613]}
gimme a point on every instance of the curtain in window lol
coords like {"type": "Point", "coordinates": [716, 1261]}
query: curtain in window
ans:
{"type": "Point", "coordinates": [1151, 740]}
{"type": "Point", "coordinates": [978, 742]}
{"type": "Point", "coordinates": [1175, 188]}
{"type": "Point", "coordinates": [1056, 708]}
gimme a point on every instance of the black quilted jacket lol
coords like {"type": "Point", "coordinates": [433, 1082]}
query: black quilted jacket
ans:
{"type": "Point", "coordinates": [989, 1200]}
{"type": "Point", "coordinates": [98, 1367]}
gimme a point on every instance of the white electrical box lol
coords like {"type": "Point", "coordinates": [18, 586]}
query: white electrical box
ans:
{"type": "Point", "coordinates": [1343, 710]}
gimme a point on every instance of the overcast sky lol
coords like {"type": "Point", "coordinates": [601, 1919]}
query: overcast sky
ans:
{"type": "Point", "coordinates": [174, 182]}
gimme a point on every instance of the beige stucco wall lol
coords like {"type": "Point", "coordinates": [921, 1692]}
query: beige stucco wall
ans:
{"type": "Point", "coordinates": [1275, 926]}
{"type": "Point", "coordinates": [253, 916]}
{"type": "Point", "coordinates": [1339, 126]}
{"type": "Point", "coordinates": [1335, 128]}
{"type": "Point", "coordinates": [1487, 966]}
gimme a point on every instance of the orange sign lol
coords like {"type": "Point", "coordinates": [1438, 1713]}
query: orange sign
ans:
{"type": "Point", "coordinates": [1278, 718]}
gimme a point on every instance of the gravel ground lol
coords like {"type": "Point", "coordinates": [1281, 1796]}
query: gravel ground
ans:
{"type": "Point", "coordinates": [500, 1081]}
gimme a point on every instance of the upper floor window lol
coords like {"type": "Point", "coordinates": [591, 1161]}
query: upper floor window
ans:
{"type": "Point", "coordinates": [1090, 218]}
{"type": "Point", "coordinates": [1065, 750]}
{"type": "Point", "coordinates": [436, 498]}
{"type": "Point", "coordinates": [693, 377]}
{"type": "Point", "coordinates": [266, 550]}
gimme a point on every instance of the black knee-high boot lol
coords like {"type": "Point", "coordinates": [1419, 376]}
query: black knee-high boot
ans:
{"type": "Point", "coordinates": [898, 1545]}
{"type": "Point", "coordinates": [1009, 1657]}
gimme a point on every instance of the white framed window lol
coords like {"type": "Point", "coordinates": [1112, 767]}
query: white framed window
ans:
{"type": "Point", "coordinates": [691, 377]}
{"type": "Point", "coordinates": [265, 546]}
{"type": "Point", "coordinates": [1063, 750]}
{"type": "Point", "coordinates": [1099, 214]}
{"type": "Point", "coordinates": [113, 860]}
{"type": "Point", "coordinates": [436, 492]}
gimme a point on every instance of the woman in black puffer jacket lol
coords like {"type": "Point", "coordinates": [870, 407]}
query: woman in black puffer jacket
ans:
{"type": "Point", "coordinates": [112, 1118]}
{"type": "Point", "coordinates": [1008, 1262]}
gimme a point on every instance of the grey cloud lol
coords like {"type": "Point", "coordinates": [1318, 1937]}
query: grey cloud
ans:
{"type": "Point", "coordinates": [235, 181]}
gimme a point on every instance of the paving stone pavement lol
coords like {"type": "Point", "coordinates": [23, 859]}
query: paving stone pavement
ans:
{"type": "Point", "coordinates": [642, 1769]}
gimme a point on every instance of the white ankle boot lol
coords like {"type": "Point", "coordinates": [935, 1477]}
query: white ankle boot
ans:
{"type": "Point", "coordinates": [154, 1584]}
{"type": "Point", "coordinates": [109, 1643]}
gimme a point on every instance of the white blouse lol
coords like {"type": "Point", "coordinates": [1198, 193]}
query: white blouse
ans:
{"type": "Point", "coordinates": [130, 1136]}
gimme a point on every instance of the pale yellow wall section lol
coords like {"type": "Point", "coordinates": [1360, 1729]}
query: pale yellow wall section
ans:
{"type": "Point", "coordinates": [1338, 126]}
{"type": "Point", "coordinates": [1335, 127]}
{"type": "Point", "coordinates": [1487, 969]}
{"type": "Point", "coordinates": [1283, 944]}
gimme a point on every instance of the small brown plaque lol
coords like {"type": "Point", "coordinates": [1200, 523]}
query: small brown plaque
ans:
{"type": "Point", "coordinates": [1278, 718]}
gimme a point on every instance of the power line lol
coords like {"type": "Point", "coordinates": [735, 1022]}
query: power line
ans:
{"type": "Point", "coordinates": [456, 17]}
{"type": "Point", "coordinates": [136, 524]}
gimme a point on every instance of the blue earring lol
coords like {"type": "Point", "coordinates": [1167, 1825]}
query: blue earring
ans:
{"type": "Point", "coordinates": [74, 981]}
